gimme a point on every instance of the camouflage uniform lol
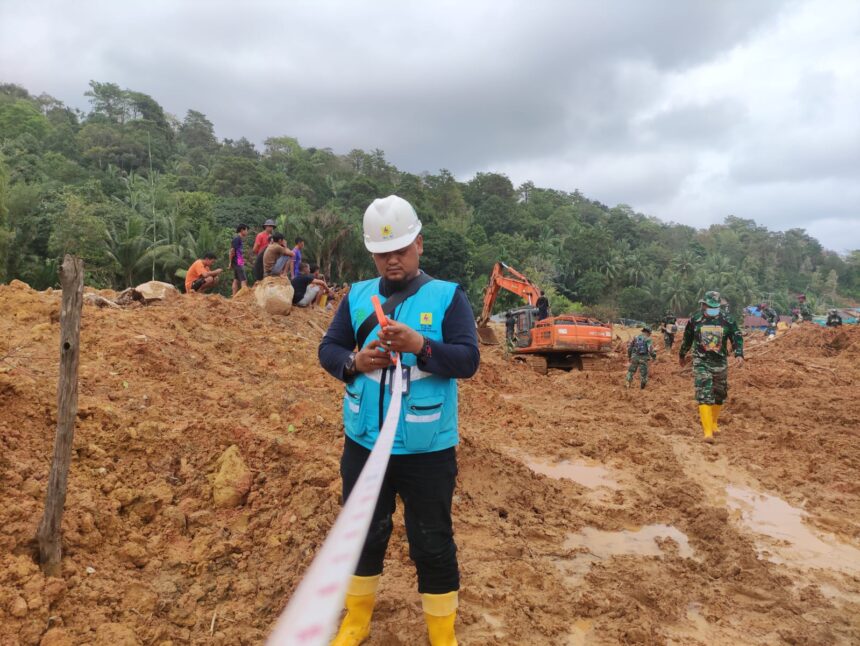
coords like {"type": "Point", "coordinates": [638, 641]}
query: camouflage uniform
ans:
{"type": "Point", "coordinates": [772, 318]}
{"type": "Point", "coordinates": [638, 359]}
{"type": "Point", "coordinates": [805, 311]}
{"type": "Point", "coordinates": [708, 338]}
{"type": "Point", "coordinates": [668, 326]}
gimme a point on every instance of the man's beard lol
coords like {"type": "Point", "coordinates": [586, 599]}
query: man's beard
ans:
{"type": "Point", "coordinates": [397, 285]}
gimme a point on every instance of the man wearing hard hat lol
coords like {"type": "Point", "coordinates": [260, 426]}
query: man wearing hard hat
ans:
{"type": "Point", "coordinates": [431, 325]}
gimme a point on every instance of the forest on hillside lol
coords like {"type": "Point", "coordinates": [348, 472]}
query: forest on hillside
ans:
{"type": "Point", "coordinates": [139, 194]}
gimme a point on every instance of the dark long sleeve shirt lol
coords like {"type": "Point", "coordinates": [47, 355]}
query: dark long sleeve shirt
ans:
{"type": "Point", "coordinates": [455, 357]}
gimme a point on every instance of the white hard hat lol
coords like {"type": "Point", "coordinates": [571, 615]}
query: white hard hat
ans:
{"type": "Point", "coordinates": [390, 223]}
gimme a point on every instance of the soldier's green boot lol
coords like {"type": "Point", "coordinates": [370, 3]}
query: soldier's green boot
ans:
{"type": "Point", "coordinates": [715, 416]}
{"type": "Point", "coordinates": [707, 422]}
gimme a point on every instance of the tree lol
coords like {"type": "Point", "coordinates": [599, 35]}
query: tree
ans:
{"type": "Point", "coordinates": [197, 131]}
{"type": "Point", "coordinates": [22, 117]}
{"type": "Point", "coordinates": [108, 101]}
{"type": "Point", "coordinates": [6, 232]}
{"type": "Point", "coordinates": [129, 249]}
{"type": "Point", "coordinates": [446, 255]}
{"type": "Point", "coordinates": [80, 233]}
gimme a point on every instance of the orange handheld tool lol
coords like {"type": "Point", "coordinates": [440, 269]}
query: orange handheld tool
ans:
{"type": "Point", "coordinates": [377, 307]}
{"type": "Point", "coordinates": [383, 320]}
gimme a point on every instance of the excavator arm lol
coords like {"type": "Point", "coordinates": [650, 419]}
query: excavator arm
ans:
{"type": "Point", "coordinates": [507, 278]}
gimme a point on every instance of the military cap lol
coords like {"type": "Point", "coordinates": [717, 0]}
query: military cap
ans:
{"type": "Point", "coordinates": [711, 299]}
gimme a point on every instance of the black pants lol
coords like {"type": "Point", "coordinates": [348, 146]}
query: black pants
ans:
{"type": "Point", "coordinates": [425, 483]}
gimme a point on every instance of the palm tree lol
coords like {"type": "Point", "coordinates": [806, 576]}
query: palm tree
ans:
{"type": "Point", "coordinates": [636, 268]}
{"type": "Point", "coordinates": [612, 266]}
{"type": "Point", "coordinates": [177, 256]}
{"type": "Point", "coordinates": [128, 248]}
{"type": "Point", "coordinates": [673, 291]}
{"type": "Point", "coordinates": [685, 264]}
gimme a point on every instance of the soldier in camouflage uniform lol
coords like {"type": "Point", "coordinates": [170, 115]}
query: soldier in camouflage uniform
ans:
{"type": "Point", "coordinates": [669, 327]}
{"type": "Point", "coordinates": [707, 333]}
{"type": "Point", "coordinates": [640, 352]}
{"type": "Point", "coordinates": [771, 318]}
{"type": "Point", "coordinates": [805, 310]}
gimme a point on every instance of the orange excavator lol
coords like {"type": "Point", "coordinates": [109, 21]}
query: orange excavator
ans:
{"type": "Point", "coordinates": [565, 342]}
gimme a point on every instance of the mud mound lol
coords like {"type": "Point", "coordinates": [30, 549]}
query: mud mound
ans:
{"type": "Point", "coordinates": [654, 554]}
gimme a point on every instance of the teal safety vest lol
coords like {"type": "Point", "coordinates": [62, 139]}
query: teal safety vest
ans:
{"type": "Point", "coordinates": [428, 416]}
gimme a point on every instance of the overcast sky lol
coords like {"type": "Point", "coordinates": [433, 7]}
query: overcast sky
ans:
{"type": "Point", "coordinates": [686, 110]}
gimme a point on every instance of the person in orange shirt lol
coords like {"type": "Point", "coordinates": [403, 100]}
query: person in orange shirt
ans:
{"type": "Point", "coordinates": [200, 276]}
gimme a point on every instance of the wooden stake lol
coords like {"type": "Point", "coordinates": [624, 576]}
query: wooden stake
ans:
{"type": "Point", "coordinates": [49, 533]}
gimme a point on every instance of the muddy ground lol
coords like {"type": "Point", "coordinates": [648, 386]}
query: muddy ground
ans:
{"type": "Point", "coordinates": [585, 513]}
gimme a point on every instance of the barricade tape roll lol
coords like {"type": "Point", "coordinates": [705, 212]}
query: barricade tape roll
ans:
{"type": "Point", "coordinates": [311, 614]}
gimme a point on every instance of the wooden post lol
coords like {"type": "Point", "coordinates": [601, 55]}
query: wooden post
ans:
{"type": "Point", "coordinates": [50, 527]}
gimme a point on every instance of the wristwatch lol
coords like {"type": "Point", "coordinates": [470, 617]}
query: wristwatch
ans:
{"type": "Point", "coordinates": [349, 366]}
{"type": "Point", "coordinates": [426, 351]}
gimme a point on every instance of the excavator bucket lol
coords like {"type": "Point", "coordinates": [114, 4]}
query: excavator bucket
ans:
{"type": "Point", "coordinates": [487, 335]}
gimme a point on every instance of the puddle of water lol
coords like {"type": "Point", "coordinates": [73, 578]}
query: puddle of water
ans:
{"type": "Point", "coordinates": [580, 634]}
{"type": "Point", "coordinates": [601, 545]}
{"type": "Point", "coordinates": [794, 543]}
{"type": "Point", "coordinates": [640, 542]}
{"type": "Point", "coordinates": [593, 476]}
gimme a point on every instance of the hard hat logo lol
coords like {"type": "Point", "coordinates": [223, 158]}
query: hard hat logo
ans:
{"type": "Point", "coordinates": [390, 223]}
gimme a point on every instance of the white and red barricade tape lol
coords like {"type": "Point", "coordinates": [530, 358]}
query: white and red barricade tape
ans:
{"type": "Point", "coordinates": [312, 613]}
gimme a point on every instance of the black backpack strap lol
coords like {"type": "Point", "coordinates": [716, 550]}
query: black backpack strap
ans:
{"type": "Point", "coordinates": [389, 305]}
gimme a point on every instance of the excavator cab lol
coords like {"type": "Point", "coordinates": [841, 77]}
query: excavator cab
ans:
{"type": "Point", "coordinates": [524, 321]}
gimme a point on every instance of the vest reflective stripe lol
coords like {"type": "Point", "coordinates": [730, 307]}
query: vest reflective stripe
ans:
{"type": "Point", "coordinates": [428, 421]}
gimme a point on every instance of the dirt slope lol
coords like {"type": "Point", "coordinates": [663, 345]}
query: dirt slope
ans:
{"type": "Point", "coordinates": [663, 539]}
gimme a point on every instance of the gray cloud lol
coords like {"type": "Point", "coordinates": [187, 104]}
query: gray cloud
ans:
{"type": "Point", "coordinates": [648, 103]}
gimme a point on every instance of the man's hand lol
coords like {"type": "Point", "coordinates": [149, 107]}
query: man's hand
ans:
{"type": "Point", "coordinates": [739, 362]}
{"type": "Point", "coordinates": [682, 360]}
{"type": "Point", "coordinates": [370, 358]}
{"type": "Point", "coordinates": [401, 338]}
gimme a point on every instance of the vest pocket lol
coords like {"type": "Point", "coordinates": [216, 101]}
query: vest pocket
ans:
{"type": "Point", "coordinates": [422, 422]}
{"type": "Point", "coordinates": [352, 415]}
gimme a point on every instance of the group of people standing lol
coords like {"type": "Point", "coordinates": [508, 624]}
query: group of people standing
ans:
{"type": "Point", "coordinates": [272, 258]}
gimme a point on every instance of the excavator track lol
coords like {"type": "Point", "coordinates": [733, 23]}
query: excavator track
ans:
{"type": "Point", "coordinates": [535, 362]}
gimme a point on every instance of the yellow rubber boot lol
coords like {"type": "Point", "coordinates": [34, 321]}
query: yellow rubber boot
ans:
{"type": "Point", "coordinates": [707, 422]}
{"type": "Point", "coordinates": [440, 612]}
{"type": "Point", "coordinates": [715, 417]}
{"type": "Point", "coordinates": [360, 598]}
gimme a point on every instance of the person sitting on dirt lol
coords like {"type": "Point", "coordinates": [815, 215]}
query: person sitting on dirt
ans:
{"type": "Point", "coordinates": [669, 328]}
{"type": "Point", "coordinates": [708, 333]}
{"type": "Point", "coordinates": [277, 257]}
{"type": "Point", "coordinates": [307, 288]}
{"type": "Point", "coordinates": [833, 319]}
{"type": "Point", "coordinates": [200, 276]}
{"type": "Point", "coordinates": [542, 305]}
{"type": "Point", "coordinates": [640, 351]}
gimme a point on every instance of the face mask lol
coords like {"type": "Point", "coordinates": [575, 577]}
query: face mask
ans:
{"type": "Point", "coordinates": [712, 311]}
